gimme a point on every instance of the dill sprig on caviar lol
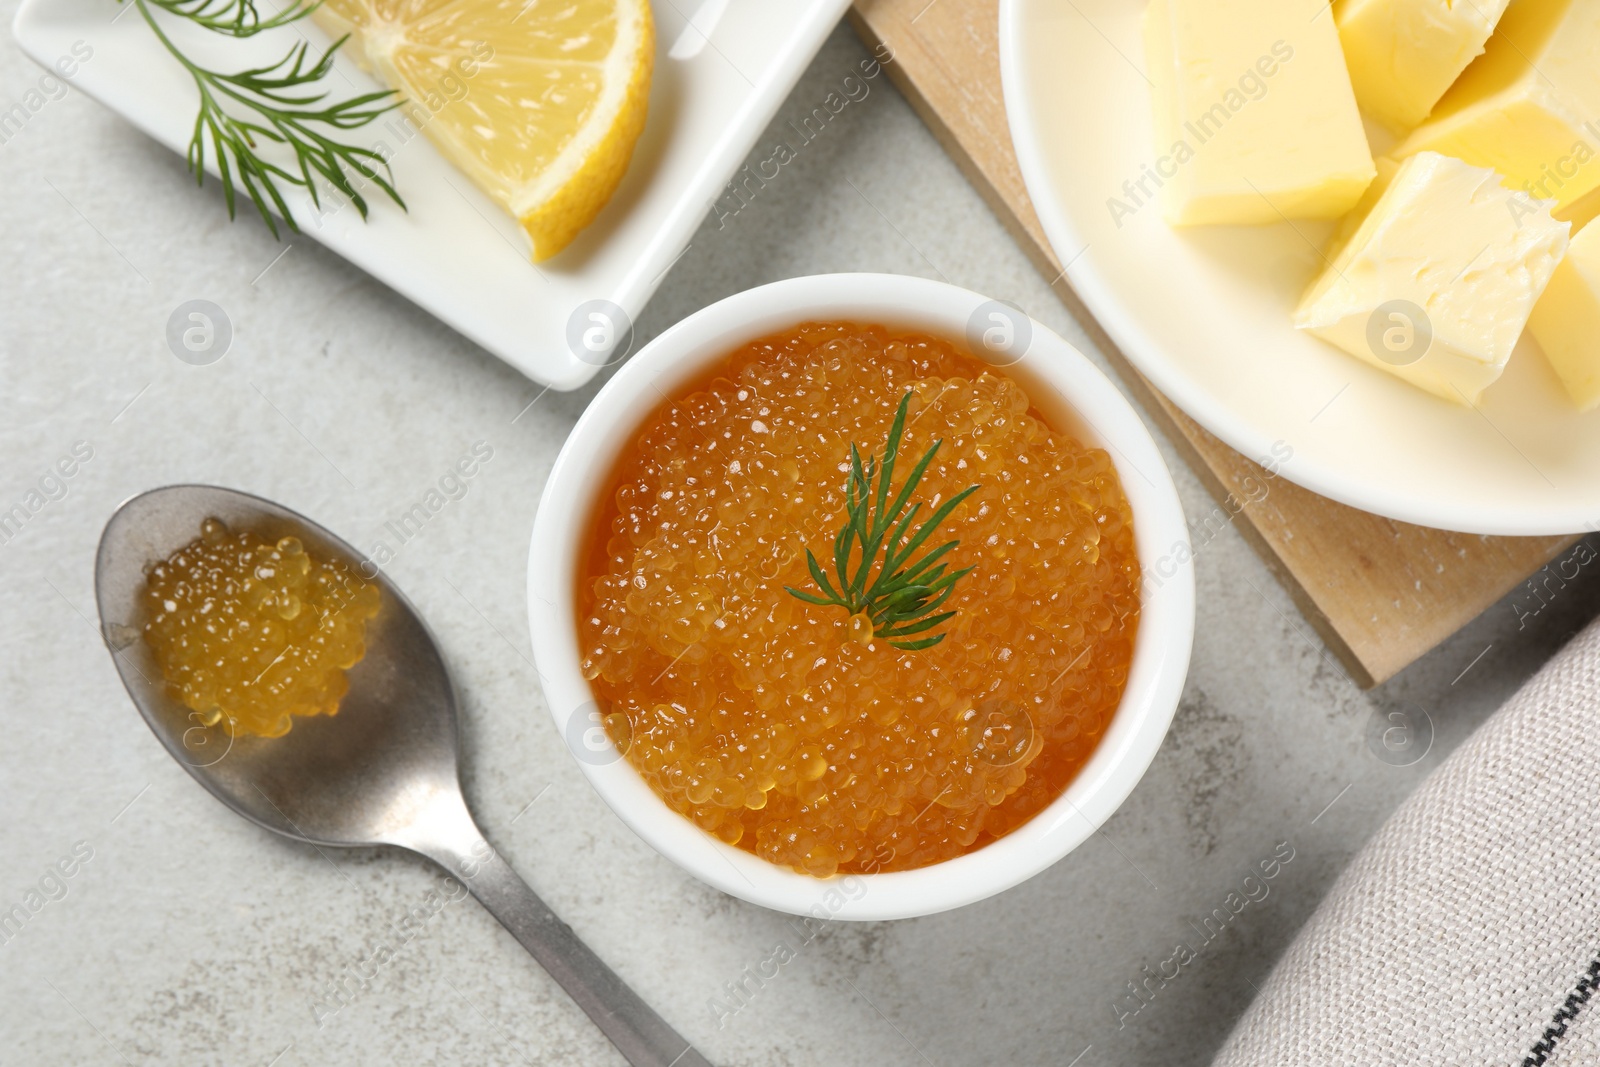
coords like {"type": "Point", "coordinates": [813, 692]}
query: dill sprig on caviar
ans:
{"type": "Point", "coordinates": [281, 104]}
{"type": "Point", "coordinates": [901, 601]}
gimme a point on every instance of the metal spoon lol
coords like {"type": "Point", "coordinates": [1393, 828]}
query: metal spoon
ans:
{"type": "Point", "coordinates": [383, 771]}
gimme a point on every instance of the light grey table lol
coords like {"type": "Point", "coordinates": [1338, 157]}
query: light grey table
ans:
{"type": "Point", "coordinates": [190, 937]}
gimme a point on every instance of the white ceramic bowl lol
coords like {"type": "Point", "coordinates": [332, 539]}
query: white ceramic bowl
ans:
{"type": "Point", "coordinates": [1061, 382]}
{"type": "Point", "coordinates": [1204, 312]}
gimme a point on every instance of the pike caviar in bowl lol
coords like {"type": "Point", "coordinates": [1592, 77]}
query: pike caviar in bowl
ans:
{"type": "Point", "coordinates": [885, 679]}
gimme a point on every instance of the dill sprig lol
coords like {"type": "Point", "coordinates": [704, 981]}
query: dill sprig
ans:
{"type": "Point", "coordinates": [236, 18]}
{"type": "Point", "coordinates": [901, 601]}
{"type": "Point", "coordinates": [281, 104]}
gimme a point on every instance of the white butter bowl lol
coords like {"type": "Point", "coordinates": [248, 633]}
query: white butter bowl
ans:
{"type": "Point", "coordinates": [1061, 382]}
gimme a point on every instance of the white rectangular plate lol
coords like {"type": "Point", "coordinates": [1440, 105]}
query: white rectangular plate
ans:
{"type": "Point", "coordinates": [722, 69]}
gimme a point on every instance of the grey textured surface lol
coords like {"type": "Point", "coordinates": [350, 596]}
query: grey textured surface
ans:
{"type": "Point", "coordinates": [192, 937]}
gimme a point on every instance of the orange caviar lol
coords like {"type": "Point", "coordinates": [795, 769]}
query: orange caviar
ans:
{"type": "Point", "coordinates": [783, 727]}
{"type": "Point", "coordinates": [248, 633]}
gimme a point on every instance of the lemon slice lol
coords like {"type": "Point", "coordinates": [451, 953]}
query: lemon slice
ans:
{"type": "Point", "coordinates": [538, 102]}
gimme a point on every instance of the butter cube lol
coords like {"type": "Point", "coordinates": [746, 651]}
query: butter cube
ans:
{"type": "Point", "coordinates": [1566, 320]}
{"type": "Point", "coordinates": [1404, 54]}
{"type": "Point", "coordinates": [1437, 282]}
{"type": "Point", "coordinates": [1582, 211]}
{"type": "Point", "coordinates": [1255, 120]}
{"type": "Point", "coordinates": [1527, 106]}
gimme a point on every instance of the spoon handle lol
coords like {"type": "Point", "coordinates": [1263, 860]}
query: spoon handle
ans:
{"type": "Point", "coordinates": [642, 1036]}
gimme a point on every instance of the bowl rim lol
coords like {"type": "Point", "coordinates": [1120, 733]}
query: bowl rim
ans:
{"type": "Point", "coordinates": [1162, 645]}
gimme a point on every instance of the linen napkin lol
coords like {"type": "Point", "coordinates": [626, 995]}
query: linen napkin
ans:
{"type": "Point", "coordinates": [1467, 931]}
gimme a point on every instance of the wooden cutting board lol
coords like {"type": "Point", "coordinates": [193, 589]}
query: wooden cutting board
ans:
{"type": "Point", "coordinates": [1381, 593]}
